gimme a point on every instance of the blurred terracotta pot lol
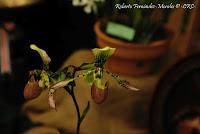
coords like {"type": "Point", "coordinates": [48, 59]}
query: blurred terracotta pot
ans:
{"type": "Point", "coordinates": [130, 58]}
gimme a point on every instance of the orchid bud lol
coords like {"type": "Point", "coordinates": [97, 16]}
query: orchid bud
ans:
{"type": "Point", "coordinates": [99, 95]}
{"type": "Point", "coordinates": [32, 89]}
{"type": "Point", "coordinates": [45, 58]}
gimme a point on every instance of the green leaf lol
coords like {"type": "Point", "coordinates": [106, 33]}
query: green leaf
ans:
{"type": "Point", "coordinates": [45, 58]}
{"type": "Point", "coordinates": [87, 66]}
{"type": "Point", "coordinates": [102, 55]}
{"type": "Point", "coordinates": [137, 17]}
{"type": "Point", "coordinates": [59, 76]}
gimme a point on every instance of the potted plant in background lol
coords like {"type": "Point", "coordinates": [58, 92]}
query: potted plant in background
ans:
{"type": "Point", "coordinates": [136, 28]}
{"type": "Point", "coordinates": [139, 34]}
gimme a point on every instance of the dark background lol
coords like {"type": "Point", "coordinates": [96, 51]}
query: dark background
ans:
{"type": "Point", "coordinates": [54, 25]}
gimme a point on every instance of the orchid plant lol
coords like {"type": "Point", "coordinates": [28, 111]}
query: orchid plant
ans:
{"type": "Point", "coordinates": [45, 79]}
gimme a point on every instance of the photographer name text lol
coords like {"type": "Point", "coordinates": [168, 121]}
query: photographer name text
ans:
{"type": "Point", "coordinates": [152, 6]}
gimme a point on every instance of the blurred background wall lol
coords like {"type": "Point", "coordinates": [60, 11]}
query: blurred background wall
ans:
{"type": "Point", "coordinates": [51, 24]}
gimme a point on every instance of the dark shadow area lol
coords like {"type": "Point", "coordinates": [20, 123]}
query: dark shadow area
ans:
{"type": "Point", "coordinates": [55, 26]}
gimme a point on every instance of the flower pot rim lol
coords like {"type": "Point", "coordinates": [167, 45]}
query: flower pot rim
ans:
{"type": "Point", "coordinates": [121, 43]}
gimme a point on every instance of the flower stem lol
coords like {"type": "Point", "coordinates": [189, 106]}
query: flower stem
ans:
{"type": "Point", "coordinates": [77, 111]}
{"type": "Point", "coordinates": [80, 117]}
{"type": "Point", "coordinates": [70, 90]}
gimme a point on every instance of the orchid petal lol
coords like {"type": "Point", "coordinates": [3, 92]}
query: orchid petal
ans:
{"type": "Point", "coordinates": [128, 86]}
{"type": "Point", "coordinates": [121, 82]}
{"type": "Point", "coordinates": [102, 54]}
{"type": "Point", "coordinates": [89, 77]}
{"type": "Point", "coordinates": [52, 103]}
{"type": "Point", "coordinates": [99, 95]}
{"type": "Point", "coordinates": [62, 83]}
{"type": "Point", "coordinates": [99, 84]}
{"type": "Point", "coordinates": [45, 58]}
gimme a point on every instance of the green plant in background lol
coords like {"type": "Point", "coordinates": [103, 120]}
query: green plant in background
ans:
{"type": "Point", "coordinates": [146, 23]}
{"type": "Point", "coordinates": [93, 73]}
